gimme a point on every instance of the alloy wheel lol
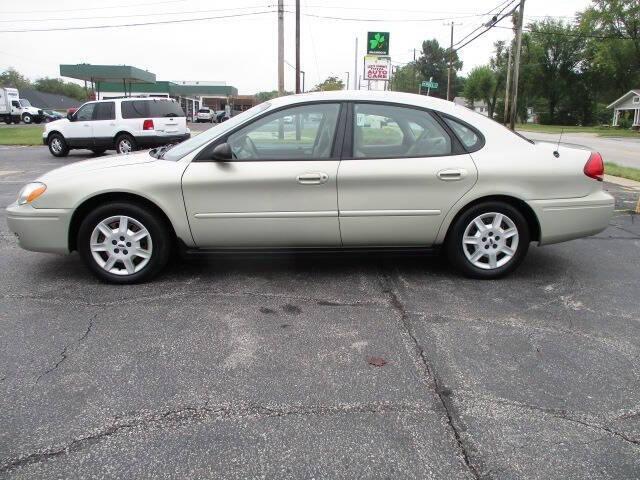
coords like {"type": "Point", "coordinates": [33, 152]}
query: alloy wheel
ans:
{"type": "Point", "coordinates": [56, 145]}
{"type": "Point", "coordinates": [490, 240]}
{"type": "Point", "coordinates": [124, 146]}
{"type": "Point", "coordinates": [121, 245]}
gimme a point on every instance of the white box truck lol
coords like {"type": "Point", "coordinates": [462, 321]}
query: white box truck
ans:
{"type": "Point", "coordinates": [10, 109]}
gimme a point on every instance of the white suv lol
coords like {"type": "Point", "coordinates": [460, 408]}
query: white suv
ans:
{"type": "Point", "coordinates": [206, 115]}
{"type": "Point", "coordinates": [123, 124]}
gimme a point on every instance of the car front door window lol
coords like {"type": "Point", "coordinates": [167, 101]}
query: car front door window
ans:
{"type": "Point", "coordinates": [300, 133]}
{"type": "Point", "coordinates": [85, 113]}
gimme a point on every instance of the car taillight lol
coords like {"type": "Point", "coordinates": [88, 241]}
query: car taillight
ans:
{"type": "Point", "coordinates": [594, 167]}
{"type": "Point", "coordinates": [147, 125]}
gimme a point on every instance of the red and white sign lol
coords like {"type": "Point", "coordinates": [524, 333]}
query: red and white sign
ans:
{"type": "Point", "coordinates": [377, 68]}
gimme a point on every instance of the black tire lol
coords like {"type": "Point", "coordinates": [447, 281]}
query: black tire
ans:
{"type": "Point", "coordinates": [27, 118]}
{"type": "Point", "coordinates": [455, 248]}
{"type": "Point", "coordinates": [159, 235]}
{"type": "Point", "coordinates": [98, 151]}
{"type": "Point", "coordinates": [8, 120]}
{"type": "Point", "coordinates": [60, 149]}
{"type": "Point", "coordinates": [121, 141]}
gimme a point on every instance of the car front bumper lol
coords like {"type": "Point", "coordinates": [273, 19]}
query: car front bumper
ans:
{"type": "Point", "coordinates": [159, 140]}
{"type": "Point", "coordinates": [40, 229]}
{"type": "Point", "coordinates": [570, 218]}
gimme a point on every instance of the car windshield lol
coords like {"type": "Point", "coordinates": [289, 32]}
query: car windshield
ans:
{"type": "Point", "coordinates": [188, 146]}
{"type": "Point", "coordinates": [24, 102]}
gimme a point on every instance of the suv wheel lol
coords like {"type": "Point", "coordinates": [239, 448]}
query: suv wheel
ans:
{"type": "Point", "coordinates": [125, 144]}
{"type": "Point", "coordinates": [26, 118]}
{"type": "Point", "coordinates": [123, 243]}
{"type": "Point", "coordinates": [57, 145]}
{"type": "Point", "coordinates": [488, 241]}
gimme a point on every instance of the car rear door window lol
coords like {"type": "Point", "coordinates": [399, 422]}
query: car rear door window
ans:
{"type": "Point", "coordinates": [105, 111]}
{"type": "Point", "coordinates": [388, 131]}
{"type": "Point", "coordinates": [298, 133]}
{"type": "Point", "coordinates": [135, 109]}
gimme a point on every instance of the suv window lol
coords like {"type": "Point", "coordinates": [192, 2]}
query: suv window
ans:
{"type": "Point", "coordinates": [204, 110]}
{"type": "Point", "coordinates": [165, 108]}
{"type": "Point", "coordinates": [298, 133]}
{"type": "Point", "coordinates": [105, 111]}
{"type": "Point", "coordinates": [85, 113]}
{"type": "Point", "coordinates": [134, 109]}
{"type": "Point", "coordinates": [386, 131]}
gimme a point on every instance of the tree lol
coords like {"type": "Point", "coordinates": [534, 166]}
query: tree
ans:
{"type": "Point", "coordinates": [406, 78]}
{"type": "Point", "coordinates": [499, 65]}
{"type": "Point", "coordinates": [331, 83]}
{"type": "Point", "coordinates": [266, 96]}
{"type": "Point", "coordinates": [12, 78]}
{"type": "Point", "coordinates": [56, 85]}
{"type": "Point", "coordinates": [481, 85]}
{"type": "Point", "coordinates": [434, 62]}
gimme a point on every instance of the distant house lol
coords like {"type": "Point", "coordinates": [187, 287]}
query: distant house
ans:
{"type": "Point", "coordinates": [481, 107]}
{"type": "Point", "coordinates": [49, 101]}
{"type": "Point", "coordinates": [628, 104]}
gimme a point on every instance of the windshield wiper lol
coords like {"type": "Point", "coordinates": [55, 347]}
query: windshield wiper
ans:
{"type": "Point", "coordinates": [160, 151]}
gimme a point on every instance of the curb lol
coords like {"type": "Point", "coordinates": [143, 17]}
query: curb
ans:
{"type": "Point", "coordinates": [624, 182]}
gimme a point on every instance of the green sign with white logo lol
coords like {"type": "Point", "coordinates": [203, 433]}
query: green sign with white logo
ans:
{"type": "Point", "coordinates": [432, 85]}
{"type": "Point", "coordinates": [378, 43]}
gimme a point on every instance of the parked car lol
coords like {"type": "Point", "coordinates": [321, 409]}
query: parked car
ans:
{"type": "Point", "coordinates": [205, 115]}
{"type": "Point", "coordinates": [222, 116]}
{"type": "Point", "coordinates": [51, 115]}
{"type": "Point", "coordinates": [123, 124]}
{"type": "Point", "coordinates": [424, 174]}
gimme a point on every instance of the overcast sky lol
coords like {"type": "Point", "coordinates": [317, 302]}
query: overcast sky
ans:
{"type": "Point", "coordinates": [241, 50]}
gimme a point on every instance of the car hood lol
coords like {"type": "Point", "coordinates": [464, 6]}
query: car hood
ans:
{"type": "Point", "coordinates": [86, 166]}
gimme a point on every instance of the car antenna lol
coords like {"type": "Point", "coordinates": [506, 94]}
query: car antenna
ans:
{"type": "Point", "coordinates": [556, 153]}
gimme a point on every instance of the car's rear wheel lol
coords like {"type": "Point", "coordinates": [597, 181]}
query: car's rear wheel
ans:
{"type": "Point", "coordinates": [124, 243]}
{"type": "Point", "coordinates": [125, 144]}
{"type": "Point", "coordinates": [58, 145]}
{"type": "Point", "coordinates": [488, 241]}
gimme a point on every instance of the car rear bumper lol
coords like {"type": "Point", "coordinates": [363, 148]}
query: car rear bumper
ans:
{"type": "Point", "coordinates": [40, 229]}
{"type": "Point", "coordinates": [151, 141]}
{"type": "Point", "coordinates": [570, 218]}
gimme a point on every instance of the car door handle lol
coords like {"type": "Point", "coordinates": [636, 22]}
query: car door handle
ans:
{"type": "Point", "coordinates": [312, 178]}
{"type": "Point", "coordinates": [452, 175]}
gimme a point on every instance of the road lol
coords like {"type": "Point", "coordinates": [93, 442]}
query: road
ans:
{"type": "Point", "coordinates": [329, 367]}
{"type": "Point", "coordinates": [623, 151]}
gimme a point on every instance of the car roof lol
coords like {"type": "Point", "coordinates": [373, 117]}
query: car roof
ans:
{"type": "Point", "coordinates": [369, 95]}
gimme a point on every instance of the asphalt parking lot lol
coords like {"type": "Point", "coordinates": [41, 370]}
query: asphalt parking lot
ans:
{"type": "Point", "coordinates": [321, 367]}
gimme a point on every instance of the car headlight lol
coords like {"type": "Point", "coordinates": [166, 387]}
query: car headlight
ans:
{"type": "Point", "coordinates": [30, 192]}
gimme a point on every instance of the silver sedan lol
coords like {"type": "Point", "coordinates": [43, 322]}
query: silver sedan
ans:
{"type": "Point", "coordinates": [325, 171]}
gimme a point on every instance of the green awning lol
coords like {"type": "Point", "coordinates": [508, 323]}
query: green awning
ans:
{"type": "Point", "coordinates": [107, 73]}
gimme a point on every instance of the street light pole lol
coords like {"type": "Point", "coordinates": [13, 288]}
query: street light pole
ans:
{"type": "Point", "coordinates": [297, 46]}
{"type": "Point", "coordinates": [355, 68]}
{"type": "Point", "coordinates": [516, 68]}
{"type": "Point", "coordinates": [280, 47]}
{"type": "Point", "coordinates": [450, 65]}
{"type": "Point", "coordinates": [346, 87]}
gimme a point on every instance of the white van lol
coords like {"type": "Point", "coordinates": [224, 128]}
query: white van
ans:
{"type": "Point", "coordinates": [121, 124]}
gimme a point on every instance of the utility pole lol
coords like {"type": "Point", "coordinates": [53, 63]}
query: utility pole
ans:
{"type": "Point", "coordinates": [508, 90]}
{"type": "Point", "coordinates": [302, 72]}
{"type": "Point", "coordinates": [355, 68]}
{"type": "Point", "coordinates": [450, 66]}
{"type": "Point", "coordinates": [346, 86]}
{"type": "Point", "coordinates": [297, 46]}
{"type": "Point", "coordinates": [280, 47]}
{"type": "Point", "coordinates": [516, 68]}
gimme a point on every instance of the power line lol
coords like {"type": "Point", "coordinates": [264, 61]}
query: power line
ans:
{"type": "Point", "coordinates": [126, 5]}
{"type": "Point", "coordinates": [388, 20]}
{"type": "Point", "coordinates": [163, 22]}
{"type": "Point", "coordinates": [582, 35]}
{"type": "Point", "coordinates": [488, 28]}
{"type": "Point", "coordinates": [509, 2]}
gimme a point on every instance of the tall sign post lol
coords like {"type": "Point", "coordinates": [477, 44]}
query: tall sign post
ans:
{"type": "Point", "coordinates": [377, 62]}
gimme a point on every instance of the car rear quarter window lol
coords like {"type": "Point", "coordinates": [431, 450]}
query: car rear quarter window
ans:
{"type": "Point", "coordinates": [165, 108]}
{"type": "Point", "coordinates": [470, 138]}
{"type": "Point", "coordinates": [135, 109]}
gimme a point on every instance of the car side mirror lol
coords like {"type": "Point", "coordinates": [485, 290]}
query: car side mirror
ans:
{"type": "Point", "coordinates": [222, 152]}
{"type": "Point", "coordinates": [70, 117]}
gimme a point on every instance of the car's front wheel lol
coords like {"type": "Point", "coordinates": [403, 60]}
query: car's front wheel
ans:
{"type": "Point", "coordinates": [58, 145]}
{"type": "Point", "coordinates": [488, 241]}
{"type": "Point", "coordinates": [125, 144]}
{"type": "Point", "coordinates": [26, 118]}
{"type": "Point", "coordinates": [124, 243]}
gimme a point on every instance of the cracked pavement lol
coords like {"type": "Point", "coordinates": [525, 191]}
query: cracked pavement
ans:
{"type": "Point", "coordinates": [258, 368]}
